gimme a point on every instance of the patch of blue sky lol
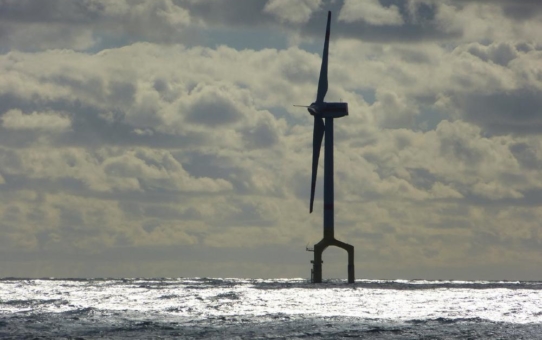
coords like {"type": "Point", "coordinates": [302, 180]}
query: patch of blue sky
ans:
{"type": "Point", "coordinates": [368, 95]}
{"type": "Point", "coordinates": [429, 118]}
{"type": "Point", "coordinates": [291, 119]}
{"type": "Point", "coordinates": [313, 46]}
{"type": "Point", "coordinates": [105, 41]}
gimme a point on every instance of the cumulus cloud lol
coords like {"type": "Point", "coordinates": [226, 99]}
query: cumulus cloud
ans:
{"type": "Point", "coordinates": [27, 25]}
{"type": "Point", "coordinates": [213, 107]}
{"type": "Point", "coordinates": [16, 120]}
{"type": "Point", "coordinates": [135, 137]}
{"type": "Point", "coordinates": [371, 12]}
{"type": "Point", "coordinates": [514, 111]}
{"type": "Point", "coordinates": [501, 53]}
{"type": "Point", "coordinates": [297, 12]}
{"type": "Point", "coordinates": [392, 111]}
{"type": "Point", "coordinates": [158, 171]}
{"type": "Point", "coordinates": [518, 10]}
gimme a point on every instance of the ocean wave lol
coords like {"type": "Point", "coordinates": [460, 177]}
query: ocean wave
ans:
{"type": "Point", "coordinates": [281, 308]}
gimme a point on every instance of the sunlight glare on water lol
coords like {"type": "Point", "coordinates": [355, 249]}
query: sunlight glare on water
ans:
{"type": "Point", "coordinates": [227, 303]}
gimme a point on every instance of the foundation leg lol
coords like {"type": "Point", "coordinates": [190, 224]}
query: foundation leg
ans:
{"type": "Point", "coordinates": [317, 265]}
{"type": "Point", "coordinates": [351, 272]}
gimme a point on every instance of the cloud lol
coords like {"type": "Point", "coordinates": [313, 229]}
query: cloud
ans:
{"type": "Point", "coordinates": [265, 134]}
{"type": "Point", "coordinates": [14, 119]}
{"type": "Point", "coordinates": [159, 125]}
{"type": "Point", "coordinates": [518, 10]}
{"type": "Point", "coordinates": [527, 155]}
{"type": "Point", "coordinates": [228, 12]}
{"type": "Point", "coordinates": [97, 24]}
{"type": "Point", "coordinates": [212, 107]}
{"type": "Point", "coordinates": [501, 53]}
{"type": "Point", "coordinates": [27, 25]}
{"type": "Point", "coordinates": [488, 20]}
{"type": "Point", "coordinates": [371, 12]}
{"type": "Point", "coordinates": [296, 12]}
{"type": "Point", "coordinates": [392, 111]}
{"type": "Point", "coordinates": [158, 171]}
{"type": "Point", "coordinates": [516, 111]}
{"type": "Point", "coordinates": [112, 171]}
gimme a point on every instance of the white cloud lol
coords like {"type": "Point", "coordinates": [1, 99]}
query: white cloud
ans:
{"type": "Point", "coordinates": [47, 121]}
{"type": "Point", "coordinates": [439, 190]}
{"type": "Point", "coordinates": [63, 24]}
{"type": "Point", "coordinates": [213, 107]}
{"type": "Point", "coordinates": [150, 144]}
{"type": "Point", "coordinates": [486, 20]}
{"type": "Point", "coordinates": [157, 170]}
{"type": "Point", "coordinates": [294, 11]}
{"type": "Point", "coordinates": [370, 11]}
{"type": "Point", "coordinates": [495, 191]}
{"type": "Point", "coordinates": [391, 111]}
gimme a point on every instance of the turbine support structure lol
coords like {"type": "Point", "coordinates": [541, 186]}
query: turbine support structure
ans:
{"type": "Point", "coordinates": [329, 225]}
{"type": "Point", "coordinates": [321, 110]}
{"type": "Point", "coordinates": [329, 191]}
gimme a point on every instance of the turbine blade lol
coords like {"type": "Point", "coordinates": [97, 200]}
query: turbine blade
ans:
{"type": "Point", "coordinates": [317, 136]}
{"type": "Point", "coordinates": [322, 81]}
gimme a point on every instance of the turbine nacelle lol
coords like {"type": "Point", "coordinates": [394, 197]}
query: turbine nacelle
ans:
{"type": "Point", "coordinates": [328, 110]}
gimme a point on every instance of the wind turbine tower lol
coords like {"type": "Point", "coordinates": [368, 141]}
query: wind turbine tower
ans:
{"type": "Point", "coordinates": [326, 111]}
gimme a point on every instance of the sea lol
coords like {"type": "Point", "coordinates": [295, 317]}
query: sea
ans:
{"type": "Point", "coordinates": [233, 308]}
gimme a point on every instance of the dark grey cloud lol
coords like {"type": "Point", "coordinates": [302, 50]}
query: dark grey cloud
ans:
{"type": "Point", "coordinates": [513, 9]}
{"type": "Point", "coordinates": [89, 127]}
{"type": "Point", "coordinates": [205, 164]}
{"type": "Point", "coordinates": [35, 25]}
{"type": "Point", "coordinates": [18, 182]}
{"type": "Point", "coordinates": [261, 136]}
{"type": "Point", "coordinates": [517, 111]}
{"type": "Point", "coordinates": [500, 54]}
{"type": "Point", "coordinates": [232, 167]}
{"type": "Point", "coordinates": [97, 24]}
{"type": "Point", "coordinates": [62, 23]}
{"type": "Point", "coordinates": [228, 12]}
{"type": "Point", "coordinates": [213, 110]}
{"type": "Point", "coordinates": [96, 104]}
{"type": "Point", "coordinates": [526, 156]}
{"type": "Point", "coordinates": [419, 20]}
{"type": "Point", "coordinates": [419, 24]}
{"type": "Point", "coordinates": [199, 163]}
{"type": "Point", "coordinates": [422, 178]}
{"type": "Point", "coordinates": [460, 149]}
{"type": "Point", "coordinates": [29, 11]}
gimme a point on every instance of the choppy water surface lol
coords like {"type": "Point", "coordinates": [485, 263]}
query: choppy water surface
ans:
{"type": "Point", "coordinates": [201, 308]}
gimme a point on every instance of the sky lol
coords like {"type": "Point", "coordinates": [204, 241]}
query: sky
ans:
{"type": "Point", "coordinates": [158, 138]}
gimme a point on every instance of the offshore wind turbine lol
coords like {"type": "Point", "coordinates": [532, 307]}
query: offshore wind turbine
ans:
{"type": "Point", "coordinates": [321, 111]}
